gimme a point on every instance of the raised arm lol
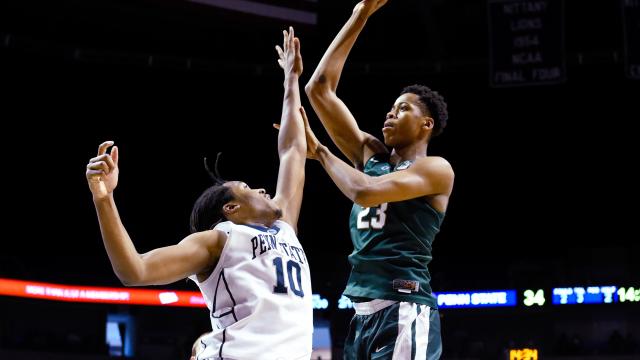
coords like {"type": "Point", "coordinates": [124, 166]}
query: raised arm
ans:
{"type": "Point", "coordinates": [197, 253]}
{"type": "Point", "coordinates": [321, 90]}
{"type": "Point", "coordinates": [429, 176]}
{"type": "Point", "coordinates": [291, 141]}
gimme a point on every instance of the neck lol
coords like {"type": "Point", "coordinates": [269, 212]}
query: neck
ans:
{"type": "Point", "coordinates": [254, 222]}
{"type": "Point", "coordinates": [409, 152]}
{"type": "Point", "coordinates": [266, 224]}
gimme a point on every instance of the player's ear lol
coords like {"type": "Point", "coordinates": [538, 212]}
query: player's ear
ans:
{"type": "Point", "coordinates": [230, 208]}
{"type": "Point", "coordinates": [428, 122]}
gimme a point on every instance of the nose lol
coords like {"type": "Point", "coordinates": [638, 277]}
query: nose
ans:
{"type": "Point", "coordinates": [391, 115]}
{"type": "Point", "coordinates": [261, 191]}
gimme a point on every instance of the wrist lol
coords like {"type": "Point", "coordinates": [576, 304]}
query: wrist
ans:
{"type": "Point", "coordinates": [101, 200]}
{"type": "Point", "coordinates": [361, 13]}
{"type": "Point", "coordinates": [321, 151]}
{"type": "Point", "coordinates": [291, 77]}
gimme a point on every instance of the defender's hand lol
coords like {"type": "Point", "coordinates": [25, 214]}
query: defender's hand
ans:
{"type": "Point", "coordinates": [312, 141]}
{"type": "Point", "coordinates": [289, 57]}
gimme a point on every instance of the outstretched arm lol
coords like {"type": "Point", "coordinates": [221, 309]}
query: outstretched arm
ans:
{"type": "Point", "coordinates": [342, 127]}
{"type": "Point", "coordinates": [428, 176]}
{"type": "Point", "coordinates": [195, 254]}
{"type": "Point", "coordinates": [291, 141]}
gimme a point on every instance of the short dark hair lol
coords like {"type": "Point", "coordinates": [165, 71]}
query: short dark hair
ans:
{"type": "Point", "coordinates": [207, 210]}
{"type": "Point", "coordinates": [434, 103]}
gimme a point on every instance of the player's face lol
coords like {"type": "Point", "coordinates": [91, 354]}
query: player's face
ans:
{"type": "Point", "coordinates": [254, 205]}
{"type": "Point", "coordinates": [406, 123]}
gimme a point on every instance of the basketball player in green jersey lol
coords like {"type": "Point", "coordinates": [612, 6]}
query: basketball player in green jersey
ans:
{"type": "Point", "coordinates": [400, 200]}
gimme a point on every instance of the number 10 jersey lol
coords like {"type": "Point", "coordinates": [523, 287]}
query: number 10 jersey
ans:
{"type": "Point", "coordinates": [259, 296]}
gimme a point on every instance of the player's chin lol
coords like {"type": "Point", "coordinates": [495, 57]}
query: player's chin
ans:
{"type": "Point", "coordinates": [388, 140]}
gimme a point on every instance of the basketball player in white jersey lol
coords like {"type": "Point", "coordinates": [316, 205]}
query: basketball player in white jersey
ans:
{"type": "Point", "coordinates": [243, 253]}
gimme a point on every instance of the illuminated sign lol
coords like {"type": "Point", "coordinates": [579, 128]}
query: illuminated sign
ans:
{"type": "Point", "coordinates": [461, 299]}
{"type": "Point", "coordinates": [471, 299]}
{"type": "Point", "coordinates": [582, 295]}
{"type": "Point", "coordinates": [476, 299]}
{"type": "Point", "coordinates": [534, 297]}
{"type": "Point", "coordinates": [319, 303]}
{"type": "Point", "coordinates": [629, 294]}
{"type": "Point", "coordinates": [523, 354]}
{"type": "Point", "coordinates": [345, 303]}
{"type": "Point", "coordinates": [106, 295]}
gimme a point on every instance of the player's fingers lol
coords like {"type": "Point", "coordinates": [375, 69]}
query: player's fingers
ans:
{"type": "Point", "coordinates": [104, 146]}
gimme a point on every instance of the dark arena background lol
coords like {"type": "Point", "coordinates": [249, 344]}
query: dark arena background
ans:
{"type": "Point", "coordinates": [538, 257]}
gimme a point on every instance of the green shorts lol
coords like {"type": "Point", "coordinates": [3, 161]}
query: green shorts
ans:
{"type": "Point", "coordinates": [386, 329]}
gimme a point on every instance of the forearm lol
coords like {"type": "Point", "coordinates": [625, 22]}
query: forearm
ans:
{"type": "Point", "coordinates": [125, 260]}
{"type": "Point", "coordinates": [321, 90]}
{"type": "Point", "coordinates": [327, 74]}
{"type": "Point", "coordinates": [351, 182]}
{"type": "Point", "coordinates": [291, 135]}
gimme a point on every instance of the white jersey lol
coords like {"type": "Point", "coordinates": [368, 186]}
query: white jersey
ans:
{"type": "Point", "coordinates": [259, 296]}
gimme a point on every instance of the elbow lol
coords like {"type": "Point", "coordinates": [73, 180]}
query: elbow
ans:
{"type": "Point", "coordinates": [126, 283]}
{"type": "Point", "coordinates": [317, 88]}
{"type": "Point", "coordinates": [311, 88]}
{"type": "Point", "coordinates": [129, 280]}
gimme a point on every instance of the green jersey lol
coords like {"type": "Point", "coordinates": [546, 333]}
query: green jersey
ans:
{"type": "Point", "coordinates": [392, 245]}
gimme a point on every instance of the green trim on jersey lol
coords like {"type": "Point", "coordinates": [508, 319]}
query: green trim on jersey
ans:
{"type": "Point", "coordinates": [392, 245]}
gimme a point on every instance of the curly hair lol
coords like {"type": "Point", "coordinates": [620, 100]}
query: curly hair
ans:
{"type": "Point", "coordinates": [434, 105]}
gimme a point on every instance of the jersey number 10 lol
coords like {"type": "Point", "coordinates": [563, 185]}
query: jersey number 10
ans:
{"type": "Point", "coordinates": [296, 286]}
{"type": "Point", "coordinates": [376, 222]}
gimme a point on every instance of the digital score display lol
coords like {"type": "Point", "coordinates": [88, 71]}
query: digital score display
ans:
{"type": "Point", "coordinates": [584, 295]}
{"type": "Point", "coordinates": [523, 354]}
{"type": "Point", "coordinates": [534, 297]}
{"type": "Point", "coordinates": [630, 294]}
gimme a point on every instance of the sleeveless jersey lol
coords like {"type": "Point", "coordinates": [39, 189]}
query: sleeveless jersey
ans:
{"type": "Point", "coordinates": [259, 296]}
{"type": "Point", "coordinates": [392, 245]}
